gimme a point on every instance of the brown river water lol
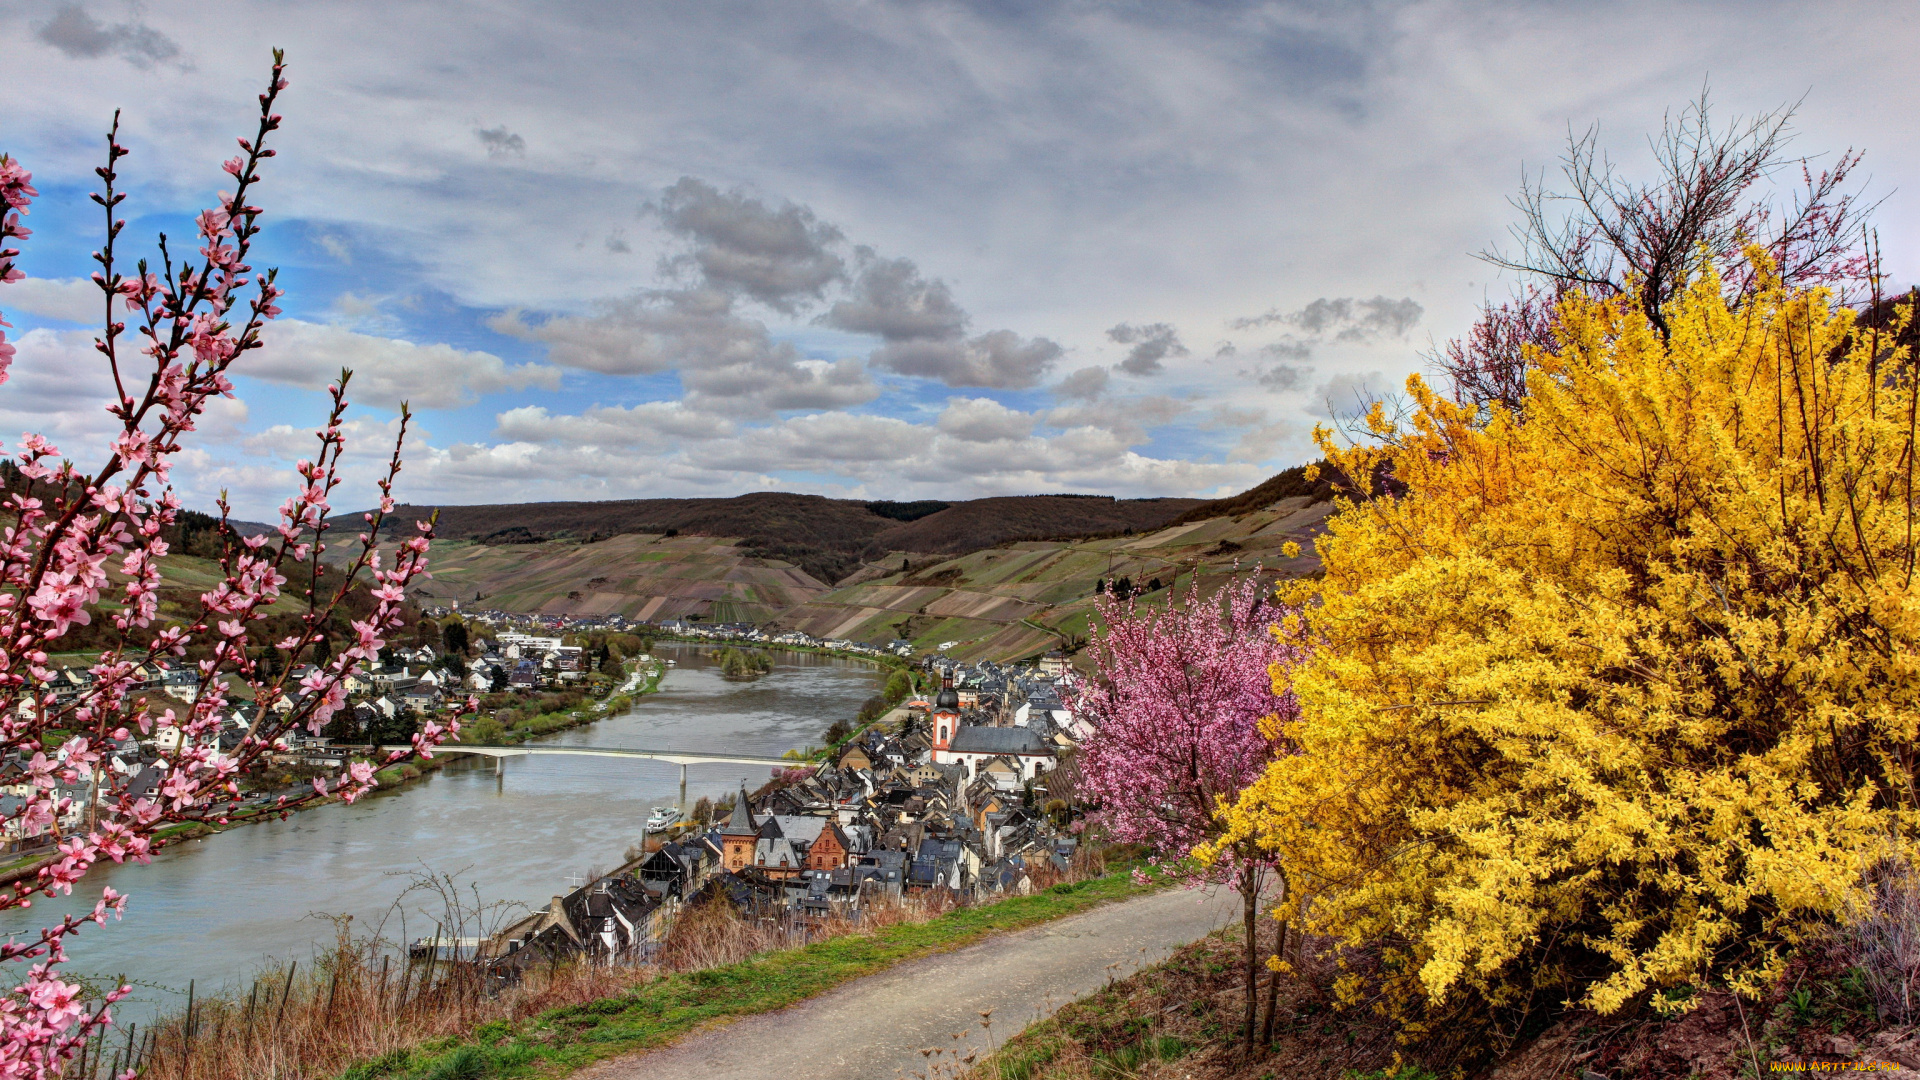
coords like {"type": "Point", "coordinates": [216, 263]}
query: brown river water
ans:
{"type": "Point", "coordinates": [216, 910]}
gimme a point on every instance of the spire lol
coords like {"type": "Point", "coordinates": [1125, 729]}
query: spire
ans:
{"type": "Point", "coordinates": [741, 820]}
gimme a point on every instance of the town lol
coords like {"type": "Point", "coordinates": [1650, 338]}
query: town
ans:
{"type": "Point", "coordinates": [964, 789]}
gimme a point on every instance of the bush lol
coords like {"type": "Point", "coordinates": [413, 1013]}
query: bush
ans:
{"type": "Point", "coordinates": [1614, 699]}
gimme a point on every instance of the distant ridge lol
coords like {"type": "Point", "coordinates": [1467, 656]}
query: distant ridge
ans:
{"type": "Point", "coordinates": [1289, 484]}
{"type": "Point", "coordinates": [828, 538]}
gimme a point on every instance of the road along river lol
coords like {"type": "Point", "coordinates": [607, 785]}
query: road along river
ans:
{"type": "Point", "coordinates": [216, 909]}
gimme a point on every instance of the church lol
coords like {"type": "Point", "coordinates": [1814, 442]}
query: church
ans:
{"type": "Point", "coordinates": [1026, 752]}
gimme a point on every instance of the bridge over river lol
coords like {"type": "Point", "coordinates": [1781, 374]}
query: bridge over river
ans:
{"type": "Point", "coordinates": [682, 758]}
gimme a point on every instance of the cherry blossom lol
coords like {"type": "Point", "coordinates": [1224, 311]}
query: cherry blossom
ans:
{"type": "Point", "coordinates": [70, 527]}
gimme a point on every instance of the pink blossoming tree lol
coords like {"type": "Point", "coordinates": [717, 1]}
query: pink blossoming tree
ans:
{"type": "Point", "coordinates": [1177, 702]}
{"type": "Point", "coordinates": [80, 546]}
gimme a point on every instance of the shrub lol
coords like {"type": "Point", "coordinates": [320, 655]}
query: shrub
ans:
{"type": "Point", "coordinates": [1616, 697]}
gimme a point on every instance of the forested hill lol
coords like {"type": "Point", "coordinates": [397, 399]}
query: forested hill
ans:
{"type": "Point", "coordinates": [829, 538]}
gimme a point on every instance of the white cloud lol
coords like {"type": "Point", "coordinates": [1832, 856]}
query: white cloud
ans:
{"type": "Point", "coordinates": [984, 420]}
{"type": "Point", "coordinates": [68, 299]}
{"type": "Point", "coordinates": [386, 371]}
{"type": "Point", "coordinates": [655, 424]}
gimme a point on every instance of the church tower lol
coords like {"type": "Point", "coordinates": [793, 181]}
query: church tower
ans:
{"type": "Point", "coordinates": [739, 833]}
{"type": "Point", "coordinates": [946, 717]}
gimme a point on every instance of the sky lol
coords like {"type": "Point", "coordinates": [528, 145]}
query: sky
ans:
{"type": "Point", "coordinates": [869, 250]}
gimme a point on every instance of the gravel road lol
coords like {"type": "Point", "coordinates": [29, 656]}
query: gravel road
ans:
{"type": "Point", "coordinates": [874, 1028]}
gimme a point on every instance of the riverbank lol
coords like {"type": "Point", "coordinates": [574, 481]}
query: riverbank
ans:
{"type": "Point", "coordinates": [884, 660]}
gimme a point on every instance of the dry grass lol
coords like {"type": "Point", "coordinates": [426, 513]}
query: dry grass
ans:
{"type": "Point", "coordinates": [713, 934]}
{"type": "Point", "coordinates": [352, 1005]}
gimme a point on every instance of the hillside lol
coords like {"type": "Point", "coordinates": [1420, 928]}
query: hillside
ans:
{"type": "Point", "coordinates": [1023, 598]}
{"type": "Point", "coordinates": [638, 575]}
{"type": "Point", "coordinates": [995, 577]}
{"type": "Point", "coordinates": [970, 526]}
{"type": "Point", "coordinates": [828, 538]}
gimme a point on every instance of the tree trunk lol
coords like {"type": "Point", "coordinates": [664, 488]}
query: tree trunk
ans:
{"type": "Point", "coordinates": [1250, 915]}
{"type": "Point", "coordinates": [1279, 954]}
{"type": "Point", "coordinates": [1273, 982]}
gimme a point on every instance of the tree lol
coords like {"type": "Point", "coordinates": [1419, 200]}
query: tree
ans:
{"type": "Point", "coordinates": [453, 635]}
{"type": "Point", "coordinates": [498, 677]}
{"type": "Point", "coordinates": [837, 731]}
{"type": "Point", "coordinates": [899, 686]}
{"type": "Point", "coordinates": [1615, 699]}
{"type": "Point", "coordinates": [1185, 716]}
{"type": "Point", "coordinates": [1603, 236]}
{"type": "Point", "coordinates": [343, 728]}
{"type": "Point", "coordinates": [193, 326]}
{"type": "Point", "coordinates": [395, 730]}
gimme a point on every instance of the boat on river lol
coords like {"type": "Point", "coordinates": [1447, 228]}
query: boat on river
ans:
{"type": "Point", "coordinates": [662, 817]}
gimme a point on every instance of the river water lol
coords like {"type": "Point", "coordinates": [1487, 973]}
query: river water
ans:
{"type": "Point", "coordinates": [216, 910]}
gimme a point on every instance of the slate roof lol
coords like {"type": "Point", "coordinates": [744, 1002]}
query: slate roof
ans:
{"type": "Point", "coordinates": [997, 740]}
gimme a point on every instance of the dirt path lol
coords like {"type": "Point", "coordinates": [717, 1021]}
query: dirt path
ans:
{"type": "Point", "coordinates": [875, 1028]}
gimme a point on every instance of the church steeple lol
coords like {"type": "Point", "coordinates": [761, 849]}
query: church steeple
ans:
{"type": "Point", "coordinates": [946, 714]}
{"type": "Point", "coordinates": [741, 819]}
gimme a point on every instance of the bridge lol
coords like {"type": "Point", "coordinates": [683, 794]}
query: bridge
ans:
{"type": "Point", "coordinates": [682, 758]}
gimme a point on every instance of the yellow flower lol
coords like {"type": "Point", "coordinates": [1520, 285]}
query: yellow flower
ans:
{"type": "Point", "coordinates": [1621, 694]}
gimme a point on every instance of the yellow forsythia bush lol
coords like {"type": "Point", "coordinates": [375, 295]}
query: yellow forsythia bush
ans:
{"type": "Point", "coordinates": [1619, 696]}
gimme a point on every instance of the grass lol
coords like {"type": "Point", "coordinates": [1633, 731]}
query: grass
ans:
{"type": "Point", "coordinates": [660, 1011]}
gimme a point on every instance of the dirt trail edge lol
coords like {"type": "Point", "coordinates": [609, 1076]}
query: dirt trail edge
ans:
{"type": "Point", "coordinates": [874, 1028]}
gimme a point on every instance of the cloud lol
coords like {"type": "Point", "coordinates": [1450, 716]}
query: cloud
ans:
{"type": "Point", "coordinates": [1151, 344]}
{"type": "Point", "coordinates": [59, 386]}
{"type": "Point", "coordinates": [75, 33]}
{"type": "Point", "coordinates": [997, 360]}
{"type": "Point", "coordinates": [983, 420]}
{"type": "Point", "coordinates": [1342, 321]}
{"type": "Point", "coordinates": [724, 360]}
{"type": "Point", "coordinates": [1284, 377]}
{"type": "Point", "coordinates": [892, 301]}
{"type": "Point", "coordinates": [924, 332]}
{"type": "Point", "coordinates": [781, 256]}
{"type": "Point", "coordinates": [1347, 395]}
{"type": "Point", "coordinates": [1083, 385]}
{"type": "Point", "coordinates": [500, 142]}
{"type": "Point", "coordinates": [1345, 319]}
{"type": "Point", "coordinates": [654, 424]}
{"type": "Point", "coordinates": [1128, 420]}
{"type": "Point", "coordinates": [68, 299]}
{"type": "Point", "coordinates": [780, 382]}
{"type": "Point", "coordinates": [386, 371]}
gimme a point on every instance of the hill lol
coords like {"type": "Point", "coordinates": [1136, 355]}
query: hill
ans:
{"type": "Point", "coordinates": [1023, 598]}
{"type": "Point", "coordinates": [1289, 484]}
{"type": "Point", "coordinates": [970, 526]}
{"type": "Point", "coordinates": [827, 538]}
{"type": "Point", "coordinates": [639, 575]}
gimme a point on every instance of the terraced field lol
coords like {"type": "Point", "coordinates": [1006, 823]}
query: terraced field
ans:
{"type": "Point", "coordinates": [639, 575]}
{"type": "Point", "coordinates": [1021, 599]}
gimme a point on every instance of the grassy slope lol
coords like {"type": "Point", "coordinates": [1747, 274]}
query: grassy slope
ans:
{"type": "Point", "coordinates": [661, 1011]}
{"type": "Point", "coordinates": [1015, 601]}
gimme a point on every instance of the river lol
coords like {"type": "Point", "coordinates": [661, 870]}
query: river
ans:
{"type": "Point", "coordinates": [217, 909]}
